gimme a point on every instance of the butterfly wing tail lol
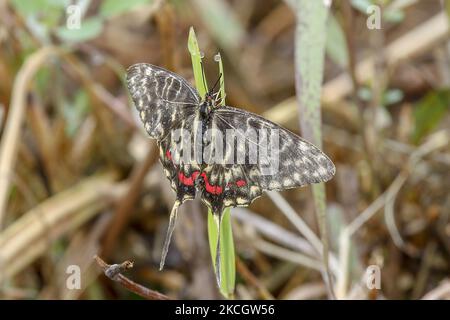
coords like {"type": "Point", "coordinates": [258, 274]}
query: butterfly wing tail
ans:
{"type": "Point", "coordinates": [172, 220]}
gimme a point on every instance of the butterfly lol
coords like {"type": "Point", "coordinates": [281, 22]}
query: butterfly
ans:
{"type": "Point", "coordinates": [199, 157]}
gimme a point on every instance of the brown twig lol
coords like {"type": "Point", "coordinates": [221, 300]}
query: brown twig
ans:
{"type": "Point", "coordinates": [30, 236]}
{"type": "Point", "coordinates": [114, 273]}
{"type": "Point", "coordinates": [250, 278]}
{"type": "Point", "coordinates": [364, 125]}
{"type": "Point", "coordinates": [124, 210]}
{"type": "Point", "coordinates": [165, 22]}
{"type": "Point", "coordinates": [9, 143]}
{"type": "Point", "coordinates": [11, 136]}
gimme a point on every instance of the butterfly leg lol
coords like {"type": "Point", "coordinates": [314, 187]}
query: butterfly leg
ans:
{"type": "Point", "coordinates": [172, 220]}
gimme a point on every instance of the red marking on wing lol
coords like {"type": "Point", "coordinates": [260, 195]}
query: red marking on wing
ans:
{"type": "Point", "coordinates": [241, 183]}
{"type": "Point", "coordinates": [219, 189]}
{"type": "Point", "coordinates": [169, 155]}
{"type": "Point", "coordinates": [210, 188]}
{"type": "Point", "coordinates": [188, 181]}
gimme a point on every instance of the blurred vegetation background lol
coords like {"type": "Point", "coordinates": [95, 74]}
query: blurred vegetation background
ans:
{"type": "Point", "coordinates": [79, 177]}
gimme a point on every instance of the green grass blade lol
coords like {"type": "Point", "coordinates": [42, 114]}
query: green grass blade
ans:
{"type": "Point", "coordinates": [218, 58]}
{"type": "Point", "coordinates": [196, 57]}
{"type": "Point", "coordinates": [336, 46]}
{"type": "Point", "coordinates": [310, 41]}
{"type": "Point", "coordinates": [447, 8]}
{"type": "Point", "coordinates": [228, 264]}
{"type": "Point", "coordinates": [222, 23]}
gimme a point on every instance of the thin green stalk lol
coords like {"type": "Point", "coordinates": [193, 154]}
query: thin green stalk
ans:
{"type": "Point", "coordinates": [310, 40]}
{"type": "Point", "coordinates": [228, 264]}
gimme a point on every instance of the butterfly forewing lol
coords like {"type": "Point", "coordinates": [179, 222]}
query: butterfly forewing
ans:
{"type": "Point", "coordinates": [286, 162]}
{"type": "Point", "coordinates": [162, 98]}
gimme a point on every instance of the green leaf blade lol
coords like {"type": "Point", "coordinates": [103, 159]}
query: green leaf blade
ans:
{"type": "Point", "coordinates": [309, 67]}
{"type": "Point", "coordinates": [228, 263]}
{"type": "Point", "coordinates": [196, 57]}
{"type": "Point", "coordinates": [90, 29]}
{"type": "Point", "coordinates": [111, 8]}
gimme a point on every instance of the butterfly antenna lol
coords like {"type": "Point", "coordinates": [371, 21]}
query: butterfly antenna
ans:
{"type": "Point", "coordinates": [172, 220]}
{"type": "Point", "coordinates": [215, 84]}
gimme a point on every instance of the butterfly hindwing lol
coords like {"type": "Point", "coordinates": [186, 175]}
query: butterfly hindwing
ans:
{"type": "Point", "coordinates": [181, 174]}
{"type": "Point", "coordinates": [228, 186]}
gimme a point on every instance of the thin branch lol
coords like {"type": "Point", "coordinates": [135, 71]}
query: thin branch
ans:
{"type": "Point", "coordinates": [250, 278]}
{"type": "Point", "coordinates": [301, 226]}
{"type": "Point", "coordinates": [29, 237]}
{"type": "Point", "coordinates": [295, 219]}
{"type": "Point", "coordinates": [11, 136]}
{"type": "Point", "coordinates": [441, 292]}
{"type": "Point", "coordinates": [274, 231]}
{"type": "Point", "coordinates": [436, 141]}
{"type": "Point", "coordinates": [126, 204]}
{"type": "Point", "coordinates": [386, 199]}
{"type": "Point", "coordinates": [114, 272]}
{"type": "Point", "coordinates": [288, 255]}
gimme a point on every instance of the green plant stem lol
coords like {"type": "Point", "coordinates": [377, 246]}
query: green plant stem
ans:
{"type": "Point", "coordinates": [310, 40]}
{"type": "Point", "coordinates": [227, 267]}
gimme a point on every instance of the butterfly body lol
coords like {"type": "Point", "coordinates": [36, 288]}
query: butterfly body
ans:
{"type": "Point", "coordinates": [218, 152]}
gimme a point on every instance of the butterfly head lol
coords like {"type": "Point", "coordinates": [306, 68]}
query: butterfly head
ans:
{"type": "Point", "coordinates": [207, 105]}
{"type": "Point", "coordinates": [211, 100]}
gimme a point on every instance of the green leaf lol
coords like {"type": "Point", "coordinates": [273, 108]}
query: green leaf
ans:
{"type": "Point", "coordinates": [196, 57]}
{"type": "Point", "coordinates": [336, 45]}
{"type": "Point", "coordinates": [392, 96]}
{"type": "Point", "coordinates": [90, 28]}
{"type": "Point", "coordinates": [26, 8]}
{"type": "Point", "coordinates": [75, 111]}
{"type": "Point", "coordinates": [42, 79]}
{"type": "Point", "coordinates": [365, 94]}
{"type": "Point", "coordinates": [218, 58]}
{"type": "Point", "coordinates": [41, 16]}
{"type": "Point", "coordinates": [310, 39]}
{"type": "Point", "coordinates": [110, 8]}
{"type": "Point", "coordinates": [429, 112]}
{"type": "Point", "coordinates": [228, 263]}
{"type": "Point", "coordinates": [447, 8]}
{"type": "Point", "coordinates": [222, 22]}
{"type": "Point", "coordinates": [362, 5]}
{"type": "Point", "coordinates": [393, 15]}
